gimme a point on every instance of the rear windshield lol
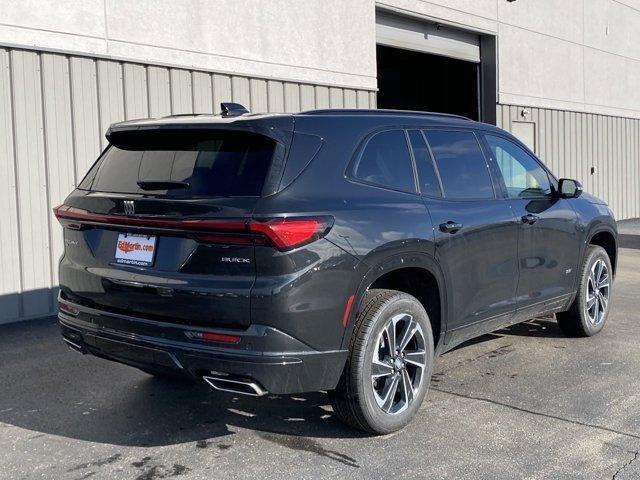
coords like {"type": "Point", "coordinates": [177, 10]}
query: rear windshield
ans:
{"type": "Point", "coordinates": [193, 164]}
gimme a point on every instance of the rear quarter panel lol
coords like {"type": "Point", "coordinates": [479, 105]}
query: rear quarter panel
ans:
{"type": "Point", "coordinates": [373, 229]}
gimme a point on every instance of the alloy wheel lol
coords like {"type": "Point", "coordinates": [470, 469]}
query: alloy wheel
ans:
{"type": "Point", "coordinates": [597, 299]}
{"type": "Point", "coordinates": [398, 363]}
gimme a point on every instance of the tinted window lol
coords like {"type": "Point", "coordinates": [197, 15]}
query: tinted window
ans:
{"type": "Point", "coordinates": [463, 169]}
{"type": "Point", "coordinates": [427, 177]}
{"type": "Point", "coordinates": [523, 176]}
{"type": "Point", "coordinates": [209, 163]}
{"type": "Point", "coordinates": [385, 161]}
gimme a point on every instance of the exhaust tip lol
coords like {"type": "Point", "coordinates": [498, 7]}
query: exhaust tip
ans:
{"type": "Point", "coordinates": [234, 385]}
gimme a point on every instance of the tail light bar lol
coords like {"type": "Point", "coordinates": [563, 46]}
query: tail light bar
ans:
{"type": "Point", "coordinates": [284, 233]}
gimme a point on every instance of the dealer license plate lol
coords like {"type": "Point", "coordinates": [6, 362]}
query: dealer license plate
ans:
{"type": "Point", "coordinates": [138, 250]}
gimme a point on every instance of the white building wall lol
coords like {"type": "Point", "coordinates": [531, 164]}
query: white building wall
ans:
{"type": "Point", "coordinates": [592, 45]}
{"type": "Point", "coordinates": [578, 55]}
{"type": "Point", "coordinates": [321, 42]}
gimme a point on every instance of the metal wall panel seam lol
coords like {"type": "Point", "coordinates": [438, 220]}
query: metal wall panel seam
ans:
{"type": "Point", "coordinates": [47, 184]}
{"type": "Point", "coordinates": [29, 150]}
{"type": "Point", "coordinates": [99, 103]}
{"type": "Point", "coordinates": [17, 184]}
{"type": "Point", "coordinates": [18, 216]}
{"type": "Point", "coordinates": [73, 129]}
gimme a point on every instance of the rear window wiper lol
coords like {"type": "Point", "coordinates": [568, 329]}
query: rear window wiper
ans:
{"type": "Point", "coordinates": [162, 184]}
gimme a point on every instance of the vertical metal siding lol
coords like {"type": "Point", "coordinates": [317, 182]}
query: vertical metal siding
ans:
{"type": "Point", "coordinates": [84, 107]}
{"type": "Point", "coordinates": [259, 95]}
{"type": "Point", "coordinates": [221, 90]}
{"type": "Point", "coordinates": [322, 97]}
{"type": "Point", "coordinates": [350, 97]}
{"type": "Point", "coordinates": [159, 91]}
{"type": "Point", "coordinates": [181, 93]}
{"type": "Point", "coordinates": [275, 97]}
{"type": "Point", "coordinates": [110, 95]}
{"type": "Point", "coordinates": [136, 102]}
{"type": "Point", "coordinates": [58, 143]}
{"type": "Point", "coordinates": [202, 93]}
{"type": "Point", "coordinates": [240, 92]}
{"type": "Point", "coordinates": [570, 143]}
{"type": "Point", "coordinates": [30, 165]}
{"type": "Point", "coordinates": [10, 255]}
{"type": "Point", "coordinates": [291, 97]}
{"type": "Point", "coordinates": [336, 98]}
{"type": "Point", "coordinates": [54, 111]}
{"type": "Point", "coordinates": [307, 97]}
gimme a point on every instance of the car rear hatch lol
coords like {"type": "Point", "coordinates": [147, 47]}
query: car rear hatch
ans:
{"type": "Point", "coordinates": [158, 229]}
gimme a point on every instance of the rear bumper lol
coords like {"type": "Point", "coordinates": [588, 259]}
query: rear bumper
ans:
{"type": "Point", "coordinates": [277, 362]}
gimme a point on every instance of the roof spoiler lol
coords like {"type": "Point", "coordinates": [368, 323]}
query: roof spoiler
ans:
{"type": "Point", "coordinates": [230, 109]}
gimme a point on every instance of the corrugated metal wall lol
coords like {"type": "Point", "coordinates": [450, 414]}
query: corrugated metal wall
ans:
{"type": "Point", "coordinates": [54, 110]}
{"type": "Point", "coordinates": [571, 143]}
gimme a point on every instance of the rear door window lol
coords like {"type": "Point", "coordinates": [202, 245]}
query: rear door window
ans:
{"type": "Point", "coordinates": [192, 164]}
{"type": "Point", "coordinates": [463, 169]}
{"type": "Point", "coordinates": [385, 161]}
{"type": "Point", "coordinates": [427, 178]}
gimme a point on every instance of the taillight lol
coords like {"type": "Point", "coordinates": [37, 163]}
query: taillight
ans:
{"type": "Point", "coordinates": [288, 233]}
{"type": "Point", "coordinates": [284, 233]}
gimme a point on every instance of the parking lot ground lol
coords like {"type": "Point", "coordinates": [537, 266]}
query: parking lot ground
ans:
{"type": "Point", "coordinates": [525, 402]}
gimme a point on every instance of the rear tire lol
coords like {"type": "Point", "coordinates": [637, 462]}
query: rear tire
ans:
{"type": "Point", "coordinates": [589, 311]}
{"type": "Point", "coordinates": [389, 367]}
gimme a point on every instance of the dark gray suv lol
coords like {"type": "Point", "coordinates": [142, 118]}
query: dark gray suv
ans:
{"type": "Point", "coordinates": [334, 250]}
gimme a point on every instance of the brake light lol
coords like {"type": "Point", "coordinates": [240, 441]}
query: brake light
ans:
{"type": "Point", "coordinates": [288, 233]}
{"type": "Point", "coordinates": [284, 233]}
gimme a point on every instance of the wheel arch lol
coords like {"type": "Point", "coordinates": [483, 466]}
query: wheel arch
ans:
{"type": "Point", "coordinates": [417, 274]}
{"type": "Point", "coordinates": [606, 239]}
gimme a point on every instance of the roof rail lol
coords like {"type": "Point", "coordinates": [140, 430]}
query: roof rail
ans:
{"type": "Point", "coordinates": [381, 111]}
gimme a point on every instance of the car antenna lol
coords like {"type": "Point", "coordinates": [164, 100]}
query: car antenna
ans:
{"type": "Point", "coordinates": [230, 109]}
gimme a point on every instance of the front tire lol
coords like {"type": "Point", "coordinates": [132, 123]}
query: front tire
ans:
{"type": "Point", "coordinates": [389, 367]}
{"type": "Point", "coordinates": [589, 311]}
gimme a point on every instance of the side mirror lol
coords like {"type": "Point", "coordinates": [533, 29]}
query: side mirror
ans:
{"type": "Point", "coordinates": [568, 188]}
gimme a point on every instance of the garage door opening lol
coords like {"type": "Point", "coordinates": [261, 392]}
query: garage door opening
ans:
{"type": "Point", "coordinates": [410, 80]}
{"type": "Point", "coordinates": [428, 66]}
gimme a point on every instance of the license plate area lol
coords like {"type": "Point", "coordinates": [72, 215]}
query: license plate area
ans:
{"type": "Point", "coordinates": [135, 249]}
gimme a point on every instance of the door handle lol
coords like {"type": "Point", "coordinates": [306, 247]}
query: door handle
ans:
{"type": "Point", "coordinates": [529, 218]}
{"type": "Point", "coordinates": [450, 227]}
